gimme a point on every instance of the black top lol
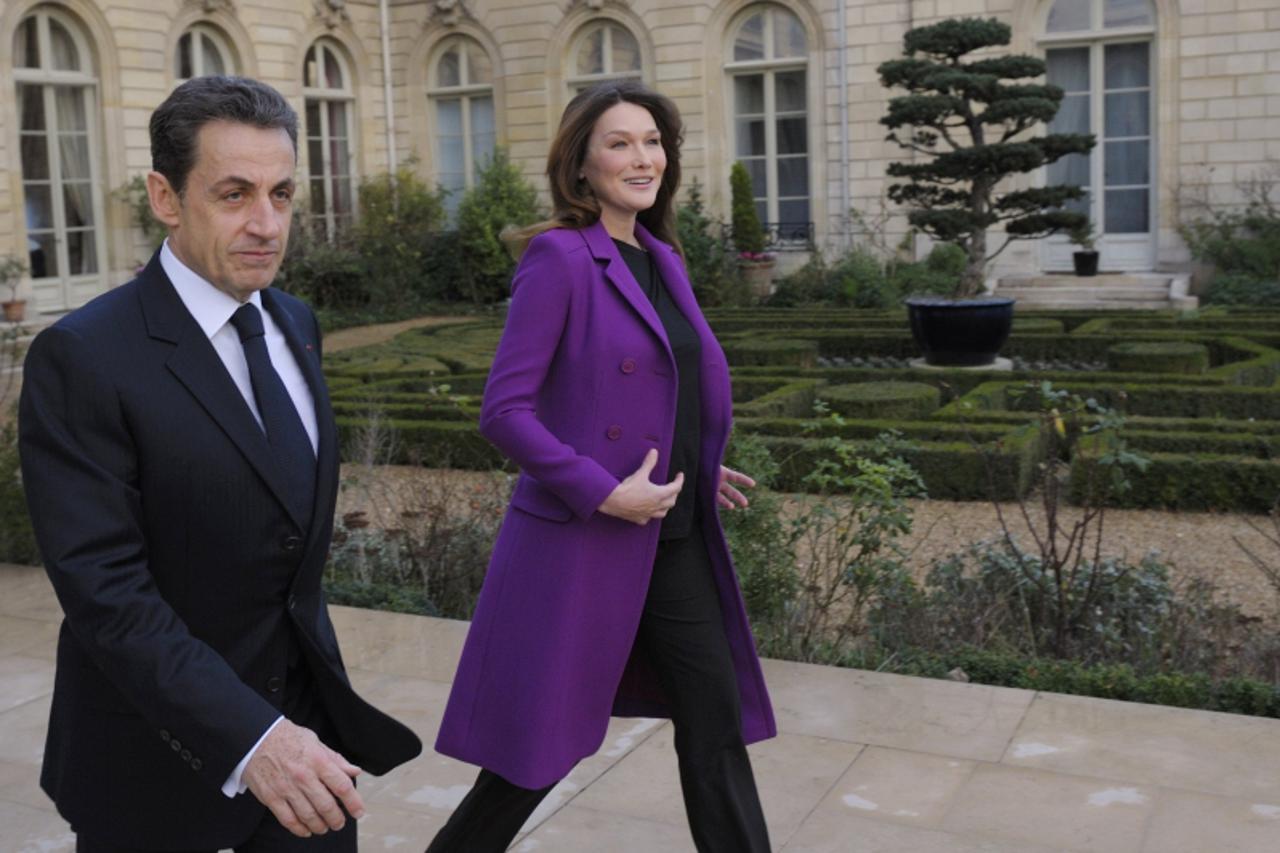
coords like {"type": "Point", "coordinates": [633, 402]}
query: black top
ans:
{"type": "Point", "coordinates": [687, 349]}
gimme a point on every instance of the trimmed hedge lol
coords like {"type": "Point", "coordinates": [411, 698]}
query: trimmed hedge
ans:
{"type": "Point", "coordinates": [1158, 357]}
{"type": "Point", "coordinates": [771, 351]}
{"type": "Point", "coordinates": [906, 400]}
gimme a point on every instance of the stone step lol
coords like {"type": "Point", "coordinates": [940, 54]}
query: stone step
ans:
{"type": "Point", "coordinates": [1095, 304]}
{"type": "Point", "coordinates": [1100, 280]}
{"type": "Point", "coordinates": [1107, 293]}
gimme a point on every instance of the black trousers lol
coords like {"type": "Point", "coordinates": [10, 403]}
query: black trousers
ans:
{"type": "Point", "coordinates": [682, 632]}
{"type": "Point", "coordinates": [302, 706]}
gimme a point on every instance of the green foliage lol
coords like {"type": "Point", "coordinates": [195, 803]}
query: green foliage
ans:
{"type": "Point", "coordinates": [134, 194]}
{"type": "Point", "coordinates": [1242, 289]}
{"type": "Point", "coordinates": [757, 535]}
{"type": "Point", "coordinates": [501, 198]}
{"type": "Point", "coordinates": [395, 236]}
{"type": "Point", "coordinates": [890, 400]}
{"type": "Point", "coordinates": [970, 121]}
{"type": "Point", "coordinates": [860, 279]}
{"type": "Point", "coordinates": [17, 540]}
{"type": "Point", "coordinates": [712, 271]}
{"type": "Point", "coordinates": [1159, 357]}
{"type": "Point", "coordinates": [12, 269]}
{"type": "Point", "coordinates": [748, 234]}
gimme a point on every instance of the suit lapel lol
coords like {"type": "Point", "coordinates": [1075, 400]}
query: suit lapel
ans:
{"type": "Point", "coordinates": [308, 358]}
{"type": "Point", "coordinates": [619, 275]}
{"type": "Point", "coordinates": [197, 366]}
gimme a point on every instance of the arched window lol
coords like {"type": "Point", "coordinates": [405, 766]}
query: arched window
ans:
{"type": "Point", "coordinates": [603, 50]}
{"type": "Point", "coordinates": [460, 88]}
{"type": "Point", "coordinates": [202, 50]}
{"type": "Point", "coordinates": [768, 71]}
{"type": "Point", "coordinates": [1100, 53]}
{"type": "Point", "coordinates": [57, 103]}
{"type": "Point", "coordinates": [330, 97]}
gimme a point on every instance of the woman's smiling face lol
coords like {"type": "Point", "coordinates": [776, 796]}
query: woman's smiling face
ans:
{"type": "Point", "coordinates": [625, 161]}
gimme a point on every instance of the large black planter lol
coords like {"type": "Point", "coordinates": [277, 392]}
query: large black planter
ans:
{"type": "Point", "coordinates": [960, 333]}
{"type": "Point", "coordinates": [1085, 263]}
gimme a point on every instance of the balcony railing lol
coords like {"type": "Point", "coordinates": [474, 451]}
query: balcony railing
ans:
{"type": "Point", "coordinates": [780, 236]}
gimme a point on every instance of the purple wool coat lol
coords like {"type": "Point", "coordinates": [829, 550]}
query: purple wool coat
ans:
{"type": "Point", "coordinates": [582, 386]}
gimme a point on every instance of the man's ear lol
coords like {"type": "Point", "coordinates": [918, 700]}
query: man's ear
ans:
{"type": "Point", "coordinates": [165, 203]}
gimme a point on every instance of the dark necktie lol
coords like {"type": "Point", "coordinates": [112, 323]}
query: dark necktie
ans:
{"type": "Point", "coordinates": [285, 432]}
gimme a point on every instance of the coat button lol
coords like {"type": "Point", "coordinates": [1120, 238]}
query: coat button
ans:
{"type": "Point", "coordinates": [186, 755]}
{"type": "Point", "coordinates": [274, 683]}
{"type": "Point", "coordinates": [614, 432]}
{"type": "Point", "coordinates": [164, 735]}
{"type": "Point", "coordinates": [628, 365]}
{"type": "Point", "coordinates": [175, 745]}
{"type": "Point", "coordinates": [292, 543]}
{"type": "Point", "coordinates": [196, 764]}
{"type": "Point", "coordinates": [293, 602]}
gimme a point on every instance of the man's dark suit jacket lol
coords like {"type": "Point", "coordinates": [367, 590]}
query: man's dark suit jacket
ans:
{"type": "Point", "coordinates": [158, 509]}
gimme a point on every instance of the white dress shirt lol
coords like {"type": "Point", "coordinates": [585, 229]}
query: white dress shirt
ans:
{"type": "Point", "coordinates": [212, 310]}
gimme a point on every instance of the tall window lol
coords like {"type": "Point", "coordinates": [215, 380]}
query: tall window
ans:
{"type": "Point", "coordinates": [57, 102]}
{"type": "Point", "coordinates": [603, 50]}
{"type": "Point", "coordinates": [768, 79]}
{"type": "Point", "coordinates": [202, 50]}
{"type": "Point", "coordinates": [329, 96]}
{"type": "Point", "coordinates": [1099, 52]}
{"type": "Point", "coordinates": [460, 87]}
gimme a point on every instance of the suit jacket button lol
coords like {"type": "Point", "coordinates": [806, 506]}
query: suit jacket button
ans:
{"type": "Point", "coordinates": [175, 745]}
{"type": "Point", "coordinates": [614, 432]}
{"type": "Point", "coordinates": [186, 755]}
{"type": "Point", "coordinates": [196, 764]}
{"type": "Point", "coordinates": [274, 684]}
{"type": "Point", "coordinates": [292, 543]}
{"type": "Point", "coordinates": [164, 735]}
{"type": "Point", "coordinates": [293, 602]}
{"type": "Point", "coordinates": [628, 365]}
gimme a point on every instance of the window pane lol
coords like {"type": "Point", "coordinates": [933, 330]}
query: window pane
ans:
{"type": "Point", "coordinates": [452, 158]}
{"type": "Point", "coordinates": [77, 199]}
{"type": "Point", "coordinates": [30, 107]}
{"type": "Point", "coordinates": [792, 136]}
{"type": "Point", "coordinates": [1128, 114]}
{"type": "Point", "coordinates": [337, 118]}
{"type": "Point", "coordinates": [65, 55]}
{"type": "Point", "coordinates": [1127, 66]}
{"type": "Point", "coordinates": [1127, 212]}
{"type": "Point", "coordinates": [69, 102]}
{"type": "Point", "coordinates": [749, 43]}
{"type": "Point", "coordinates": [626, 53]}
{"type": "Point", "coordinates": [1127, 163]}
{"type": "Point", "coordinates": [591, 53]}
{"type": "Point", "coordinates": [1069, 15]}
{"type": "Point", "coordinates": [788, 35]}
{"type": "Point", "coordinates": [449, 116]}
{"type": "Point", "coordinates": [26, 45]}
{"type": "Point", "coordinates": [332, 70]}
{"type": "Point", "coordinates": [315, 156]}
{"type": "Point", "coordinates": [1072, 170]}
{"type": "Point", "coordinates": [343, 195]}
{"type": "Point", "coordinates": [42, 255]}
{"type": "Point", "coordinates": [479, 68]}
{"type": "Point", "coordinates": [793, 176]}
{"type": "Point", "coordinates": [750, 135]}
{"type": "Point", "coordinates": [1068, 68]}
{"type": "Point", "coordinates": [748, 94]}
{"type": "Point", "coordinates": [789, 91]}
{"type": "Point", "coordinates": [317, 194]}
{"type": "Point", "coordinates": [482, 131]}
{"type": "Point", "coordinates": [794, 212]}
{"type": "Point", "coordinates": [313, 118]}
{"type": "Point", "coordinates": [1073, 115]}
{"type": "Point", "coordinates": [1127, 13]}
{"type": "Point", "coordinates": [212, 57]}
{"type": "Point", "coordinates": [184, 69]}
{"type": "Point", "coordinates": [38, 204]}
{"type": "Point", "coordinates": [340, 156]}
{"type": "Point", "coordinates": [35, 157]}
{"type": "Point", "coordinates": [73, 148]}
{"type": "Point", "coordinates": [82, 253]}
{"type": "Point", "coordinates": [447, 71]}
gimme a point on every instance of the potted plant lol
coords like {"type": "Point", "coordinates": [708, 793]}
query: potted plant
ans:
{"type": "Point", "coordinates": [1085, 261]}
{"type": "Point", "coordinates": [966, 123]}
{"type": "Point", "coordinates": [754, 263]}
{"type": "Point", "coordinates": [11, 272]}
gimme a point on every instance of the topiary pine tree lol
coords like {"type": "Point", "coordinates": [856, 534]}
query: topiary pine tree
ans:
{"type": "Point", "coordinates": [971, 124]}
{"type": "Point", "coordinates": [748, 235]}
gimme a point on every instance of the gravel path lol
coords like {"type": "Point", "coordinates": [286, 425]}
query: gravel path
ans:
{"type": "Point", "coordinates": [363, 336]}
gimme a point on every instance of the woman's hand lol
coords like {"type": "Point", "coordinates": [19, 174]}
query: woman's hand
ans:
{"type": "Point", "coordinates": [727, 497]}
{"type": "Point", "coordinates": [637, 500]}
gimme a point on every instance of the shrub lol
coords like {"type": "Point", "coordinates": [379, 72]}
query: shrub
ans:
{"type": "Point", "coordinates": [710, 263]}
{"type": "Point", "coordinates": [327, 275]}
{"type": "Point", "coordinates": [1158, 357]}
{"type": "Point", "coordinates": [757, 535]}
{"type": "Point", "coordinates": [17, 539]}
{"type": "Point", "coordinates": [502, 197]}
{"type": "Point", "coordinates": [400, 217]}
{"type": "Point", "coordinates": [884, 400]}
{"type": "Point", "coordinates": [1243, 289]}
{"type": "Point", "coordinates": [748, 234]}
{"type": "Point", "coordinates": [937, 274]}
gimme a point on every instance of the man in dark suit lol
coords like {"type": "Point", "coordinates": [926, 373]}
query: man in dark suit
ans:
{"type": "Point", "coordinates": [179, 455]}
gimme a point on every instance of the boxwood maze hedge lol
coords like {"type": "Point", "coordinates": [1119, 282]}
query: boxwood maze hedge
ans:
{"type": "Point", "coordinates": [1213, 434]}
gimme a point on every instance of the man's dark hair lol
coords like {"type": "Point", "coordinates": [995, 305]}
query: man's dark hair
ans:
{"type": "Point", "coordinates": [176, 123]}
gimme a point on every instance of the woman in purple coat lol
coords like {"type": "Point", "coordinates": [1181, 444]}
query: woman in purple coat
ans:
{"type": "Point", "coordinates": [610, 589]}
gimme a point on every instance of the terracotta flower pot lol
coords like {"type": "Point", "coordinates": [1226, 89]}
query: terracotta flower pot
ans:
{"type": "Point", "coordinates": [759, 277]}
{"type": "Point", "coordinates": [15, 310]}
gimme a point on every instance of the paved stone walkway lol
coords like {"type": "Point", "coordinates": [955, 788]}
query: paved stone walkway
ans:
{"type": "Point", "coordinates": [865, 763]}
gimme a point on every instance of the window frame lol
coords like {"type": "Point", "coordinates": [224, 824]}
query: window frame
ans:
{"type": "Point", "coordinates": [325, 95]}
{"type": "Point", "coordinates": [221, 43]}
{"type": "Point", "coordinates": [574, 81]}
{"type": "Point", "coordinates": [464, 92]}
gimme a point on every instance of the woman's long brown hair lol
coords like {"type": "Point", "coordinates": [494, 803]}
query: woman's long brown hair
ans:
{"type": "Point", "coordinates": [574, 205]}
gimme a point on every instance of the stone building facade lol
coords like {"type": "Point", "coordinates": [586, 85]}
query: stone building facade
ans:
{"type": "Point", "coordinates": [1184, 94]}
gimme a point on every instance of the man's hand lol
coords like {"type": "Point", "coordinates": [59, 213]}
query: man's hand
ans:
{"type": "Point", "coordinates": [301, 780]}
{"type": "Point", "coordinates": [638, 500]}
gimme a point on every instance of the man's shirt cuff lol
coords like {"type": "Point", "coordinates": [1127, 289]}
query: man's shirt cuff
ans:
{"type": "Point", "coordinates": [233, 786]}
